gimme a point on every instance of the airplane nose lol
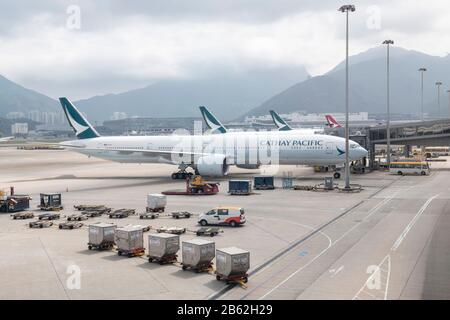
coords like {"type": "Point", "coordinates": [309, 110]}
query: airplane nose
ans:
{"type": "Point", "coordinates": [358, 153]}
{"type": "Point", "coordinates": [364, 152]}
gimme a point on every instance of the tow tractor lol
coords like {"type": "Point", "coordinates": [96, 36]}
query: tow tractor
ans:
{"type": "Point", "coordinates": [196, 186]}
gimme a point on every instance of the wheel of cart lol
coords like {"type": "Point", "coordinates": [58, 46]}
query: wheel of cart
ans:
{"type": "Point", "coordinates": [103, 246]}
{"type": "Point", "coordinates": [131, 253]}
{"type": "Point", "coordinates": [199, 268]}
{"type": "Point", "coordinates": [232, 279]}
{"type": "Point", "coordinates": [163, 260]}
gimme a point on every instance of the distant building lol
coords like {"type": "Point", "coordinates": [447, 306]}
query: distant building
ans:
{"type": "Point", "coordinates": [301, 117]}
{"type": "Point", "coordinates": [118, 115]}
{"type": "Point", "coordinates": [19, 129]}
{"type": "Point", "coordinates": [152, 126]}
{"type": "Point", "coordinates": [46, 117]}
{"type": "Point", "coordinates": [15, 115]}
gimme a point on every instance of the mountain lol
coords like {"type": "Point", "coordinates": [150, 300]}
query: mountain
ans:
{"type": "Point", "coordinates": [227, 95]}
{"type": "Point", "coordinates": [367, 72]}
{"type": "Point", "coordinates": [15, 98]}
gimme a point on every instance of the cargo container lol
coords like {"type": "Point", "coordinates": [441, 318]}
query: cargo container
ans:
{"type": "Point", "coordinates": [156, 202]}
{"type": "Point", "coordinates": [328, 184]}
{"type": "Point", "coordinates": [163, 247]}
{"type": "Point", "coordinates": [101, 235]}
{"type": "Point", "coordinates": [129, 240]}
{"type": "Point", "coordinates": [198, 254]}
{"type": "Point", "coordinates": [14, 203]}
{"type": "Point", "coordinates": [50, 201]}
{"type": "Point", "coordinates": [239, 187]}
{"type": "Point", "coordinates": [263, 183]}
{"type": "Point", "coordinates": [232, 264]}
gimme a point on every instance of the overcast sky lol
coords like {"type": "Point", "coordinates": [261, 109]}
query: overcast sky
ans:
{"type": "Point", "coordinates": [121, 45]}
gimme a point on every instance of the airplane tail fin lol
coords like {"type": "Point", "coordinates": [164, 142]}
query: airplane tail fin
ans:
{"type": "Point", "coordinates": [83, 129]}
{"type": "Point", "coordinates": [211, 121]}
{"type": "Point", "coordinates": [279, 122]}
{"type": "Point", "coordinates": [331, 122]}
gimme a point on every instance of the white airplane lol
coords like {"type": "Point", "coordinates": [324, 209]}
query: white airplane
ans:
{"type": "Point", "coordinates": [282, 125]}
{"type": "Point", "coordinates": [331, 122]}
{"type": "Point", "coordinates": [4, 139]}
{"type": "Point", "coordinates": [209, 155]}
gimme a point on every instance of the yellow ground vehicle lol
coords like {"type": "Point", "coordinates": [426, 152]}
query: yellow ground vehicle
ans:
{"type": "Point", "coordinates": [409, 167]}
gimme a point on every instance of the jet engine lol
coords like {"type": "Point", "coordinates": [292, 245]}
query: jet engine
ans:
{"type": "Point", "coordinates": [212, 165]}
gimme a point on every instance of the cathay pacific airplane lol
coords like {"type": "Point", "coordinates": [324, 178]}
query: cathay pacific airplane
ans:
{"type": "Point", "coordinates": [214, 125]}
{"type": "Point", "coordinates": [209, 155]}
{"type": "Point", "coordinates": [282, 125]}
{"type": "Point", "coordinates": [279, 122]}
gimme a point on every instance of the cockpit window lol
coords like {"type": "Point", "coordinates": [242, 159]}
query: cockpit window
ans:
{"type": "Point", "coordinates": [353, 146]}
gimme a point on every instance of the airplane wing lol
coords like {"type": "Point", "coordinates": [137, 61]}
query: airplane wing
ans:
{"type": "Point", "coordinates": [166, 154]}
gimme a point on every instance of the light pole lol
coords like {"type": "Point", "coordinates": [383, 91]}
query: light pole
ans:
{"type": "Point", "coordinates": [438, 85]}
{"type": "Point", "coordinates": [448, 91]}
{"type": "Point", "coordinates": [388, 122]}
{"type": "Point", "coordinates": [422, 70]}
{"type": "Point", "coordinates": [346, 9]}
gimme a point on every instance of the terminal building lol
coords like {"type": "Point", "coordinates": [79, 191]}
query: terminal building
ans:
{"type": "Point", "coordinates": [152, 126]}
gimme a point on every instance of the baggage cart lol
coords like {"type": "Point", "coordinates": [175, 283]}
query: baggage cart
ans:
{"type": "Point", "coordinates": [181, 214]}
{"type": "Point", "coordinates": [40, 224]}
{"type": "Point", "coordinates": [22, 215]}
{"type": "Point", "coordinates": [49, 216]}
{"type": "Point", "coordinates": [70, 225]}
{"type": "Point", "coordinates": [232, 265]}
{"type": "Point", "coordinates": [208, 231]}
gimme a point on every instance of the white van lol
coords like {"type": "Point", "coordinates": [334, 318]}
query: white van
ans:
{"type": "Point", "coordinates": [231, 216]}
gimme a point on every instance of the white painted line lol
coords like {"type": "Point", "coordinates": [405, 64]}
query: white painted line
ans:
{"type": "Point", "coordinates": [290, 222]}
{"type": "Point", "coordinates": [394, 248]}
{"type": "Point", "coordinates": [294, 273]}
{"type": "Point", "coordinates": [371, 212]}
{"type": "Point", "coordinates": [386, 260]}
{"type": "Point", "coordinates": [294, 223]}
{"type": "Point", "coordinates": [412, 223]}
{"type": "Point", "coordinates": [334, 272]}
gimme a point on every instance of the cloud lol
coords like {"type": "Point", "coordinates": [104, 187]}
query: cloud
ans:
{"type": "Point", "coordinates": [126, 44]}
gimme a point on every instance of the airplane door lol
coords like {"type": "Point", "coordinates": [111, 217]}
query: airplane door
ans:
{"type": "Point", "coordinates": [101, 149]}
{"type": "Point", "coordinates": [329, 147]}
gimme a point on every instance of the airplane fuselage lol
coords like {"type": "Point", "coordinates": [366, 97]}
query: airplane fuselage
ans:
{"type": "Point", "coordinates": [274, 147]}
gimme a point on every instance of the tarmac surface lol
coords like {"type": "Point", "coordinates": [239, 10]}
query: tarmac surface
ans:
{"type": "Point", "coordinates": [390, 241]}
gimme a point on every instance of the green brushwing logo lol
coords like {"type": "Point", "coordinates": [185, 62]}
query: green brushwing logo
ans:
{"type": "Point", "coordinates": [340, 151]}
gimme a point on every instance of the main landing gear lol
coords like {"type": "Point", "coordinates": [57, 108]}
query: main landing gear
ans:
{"type": "Point", "coordinates": [337, 175]}
{"type": "Point", "coordinates": [182, 174]}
